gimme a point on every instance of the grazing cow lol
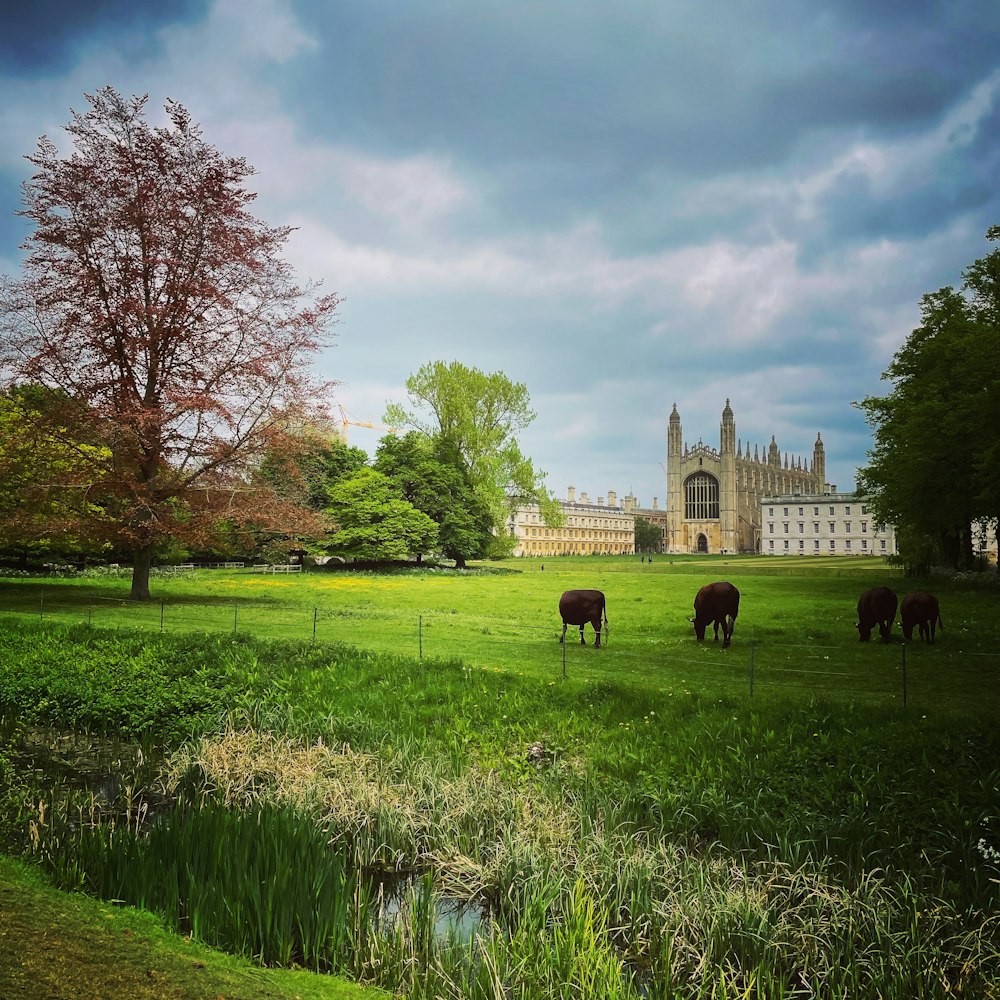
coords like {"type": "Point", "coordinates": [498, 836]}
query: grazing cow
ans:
{"type": "Point", "coordinates": [876, 607]}
{"type": "Point", "coordinates": [920, 609]}
{"type": "Point", "coordinates": [577, 607]}
{"type": "Point", "coordinates": [718, 603]}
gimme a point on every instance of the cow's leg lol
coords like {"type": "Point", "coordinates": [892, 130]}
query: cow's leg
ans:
{"type": "Point", "coordinates": [931, 629]}
{"type": "Point", "coordinates": [597, 628]}
{"type": "Point", "coordinates": [562, 638]}
{"type": "Point", "coordinates": [583, 642]}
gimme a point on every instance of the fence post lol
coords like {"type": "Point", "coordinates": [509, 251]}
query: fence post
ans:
{"type": "Point", "coordinates": [564, 644]}
{"type": "Point", "coordinates": [161, 616]}
{"type": "Point", "coordinates": [315, 616]}
{"type": "Point", "coordinates": [236, 617]}
{"type": "Point", "coordinates": [751, 667]}
{"type": "Point", "coordinates": [41, 605]}
{"type": "Point", "coordinates": [420, 635]}
{"type": "Point", "coordinates": [88, 614]}
{"type": "Point", "coordinates": [904, 675]}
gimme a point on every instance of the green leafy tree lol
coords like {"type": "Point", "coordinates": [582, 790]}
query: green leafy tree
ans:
{"type": "Point", "coordinates": [435, 482]}
{"type": "Point", "coordinates": [932, 470]}
{"type": "Point", "coordinates": [478, 416]}
{"type": "Point", "coordinates": [647, 536]}
{"type": "Point", "coordinates": [308, 464]}
{"type": "Point", "coordinates": [49, 498]}
{"type": "Point", "coordinates": [374, 521]}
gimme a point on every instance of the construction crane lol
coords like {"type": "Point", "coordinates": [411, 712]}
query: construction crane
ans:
{"type": "Point", "coordinates": [345, 421]}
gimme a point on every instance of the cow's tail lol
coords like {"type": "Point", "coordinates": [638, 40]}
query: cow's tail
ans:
{"type": "Point", "coordinates": [604, 611]}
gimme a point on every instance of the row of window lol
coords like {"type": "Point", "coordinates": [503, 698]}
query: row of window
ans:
{"type": "Point", "coordinates": [833, 545]}
{"type": "Point", "coordinates": [833, 527]}
{"type": "Point", "coordinates": [547, 549]}
{"type": "Point", "coordinates": [590, 522]}
{"type": "Point", "coordinates": [574, 533]}
{"type": "Point", "coordinates": [833, 510]}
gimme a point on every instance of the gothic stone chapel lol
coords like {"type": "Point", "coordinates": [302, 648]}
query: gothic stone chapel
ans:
{"type": "Point", "coordinates": [713, 496]}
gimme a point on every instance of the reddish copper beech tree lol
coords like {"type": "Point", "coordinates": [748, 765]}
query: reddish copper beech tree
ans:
{"type": "Point", "coordinates": [156, 301]}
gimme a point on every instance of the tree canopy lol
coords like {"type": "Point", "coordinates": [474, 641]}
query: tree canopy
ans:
{"type": "Point", "coordinates": [303, 468]}
{"type": "Point", "coordinates": [647, 536]}
{"type": "Point", "coordinates": [48, 503]}
{"type": "Point", "coordinates": [934, 468]}
{"type": "Point", "coordinates": [374, 521]}
{"type": "Point", "coordinates": [434, 480]}
{"type": "Point", "coordinates": [152, 297]}
{"type": "Point", "coordinates": [478, 416]}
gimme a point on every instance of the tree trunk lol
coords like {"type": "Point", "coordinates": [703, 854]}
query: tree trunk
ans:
{"type": "Point", "coordinates": [142, 559]}
{"type": "Point", "coordinates": [950, 549]}
{"type": "Point", "coordinates": [459, 562]}
{"type": "Point", "coordinates": [968, 561]}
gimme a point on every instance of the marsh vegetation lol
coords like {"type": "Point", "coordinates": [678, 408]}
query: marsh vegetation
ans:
{"type": "Point", "coordinates": [478, 825]}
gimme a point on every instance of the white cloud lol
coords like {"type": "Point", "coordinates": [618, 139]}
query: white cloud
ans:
{"type": "Point", "coordinates": [413, 190]}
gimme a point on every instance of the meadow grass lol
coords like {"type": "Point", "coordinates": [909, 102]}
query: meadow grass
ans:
{"type": "Point", "coordinates": [797, 616]}
{"type": "Point", "coordinates": [641, 827]}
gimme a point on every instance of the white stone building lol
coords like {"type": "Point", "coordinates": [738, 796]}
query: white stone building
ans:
{"type": "Point", "coordinates": [822, 524]}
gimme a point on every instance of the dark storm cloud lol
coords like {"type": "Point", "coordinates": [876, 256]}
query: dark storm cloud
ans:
{"type": "Point", "coordinates": [44, 36]}
{"type": "Point", "coordinates": [638, 85]}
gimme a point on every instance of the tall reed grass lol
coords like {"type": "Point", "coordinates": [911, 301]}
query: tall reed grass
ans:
{"type": "Point", "coordinates": [578, 902]}
{"type": "Point", "coordinates": [261, 882]}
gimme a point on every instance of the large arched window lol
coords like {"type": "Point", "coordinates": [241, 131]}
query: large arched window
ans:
{"type": "Point", "coordinates": [701, 497]}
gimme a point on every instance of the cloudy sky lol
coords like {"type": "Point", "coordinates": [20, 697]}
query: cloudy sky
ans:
{"type": "Point", "coordinates": [623, 206]}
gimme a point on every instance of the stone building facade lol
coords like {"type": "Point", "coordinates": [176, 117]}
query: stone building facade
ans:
{"type": "Point", "coordinates": [823, 524]}
{"type": "Point", "coordinates": [714, 494]}
{"type": "Point", "coordinates": [606, 527]}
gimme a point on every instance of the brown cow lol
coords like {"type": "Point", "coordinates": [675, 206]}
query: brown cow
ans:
{"type": "Point", "coordinates": [577, 607]}
{"type": "Point", "coordinates": [876, 607]}
{"type": "Point", "coordinates": [718, 603]}
{"type": "Point", "coordinates": [921, 609]}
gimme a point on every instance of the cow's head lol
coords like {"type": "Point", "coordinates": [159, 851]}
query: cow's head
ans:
{"type": "Point", "coordinates": [864, 632]}
{"type": "Point", "coordinates": [699, 628]}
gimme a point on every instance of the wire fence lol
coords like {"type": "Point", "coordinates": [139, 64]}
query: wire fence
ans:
{"type": "Point", "coordinates": [904, 674]}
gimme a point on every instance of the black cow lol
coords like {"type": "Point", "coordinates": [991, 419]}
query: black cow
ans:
{"type": "Point", "coordinates": [876, 607]}
{"type": "Point", "coordinates": [921, 609]}
{"type": "Point", "coordinates": [577, 607]}
{"type": "Point", "coordinates": [718, 603]}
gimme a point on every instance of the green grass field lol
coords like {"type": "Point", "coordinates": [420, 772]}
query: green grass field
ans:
{"type": "Point", "coordinates": [797, 615]}
{"type": "Point", "coordinates": [641, 827]}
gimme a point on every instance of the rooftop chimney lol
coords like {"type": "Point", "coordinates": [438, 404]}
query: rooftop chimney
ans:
{"type": "Point", "coordinates": [571, 494]}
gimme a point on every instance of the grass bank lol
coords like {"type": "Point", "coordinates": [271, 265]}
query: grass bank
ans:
{"type": "Point", "coordinates": [55, 945]}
